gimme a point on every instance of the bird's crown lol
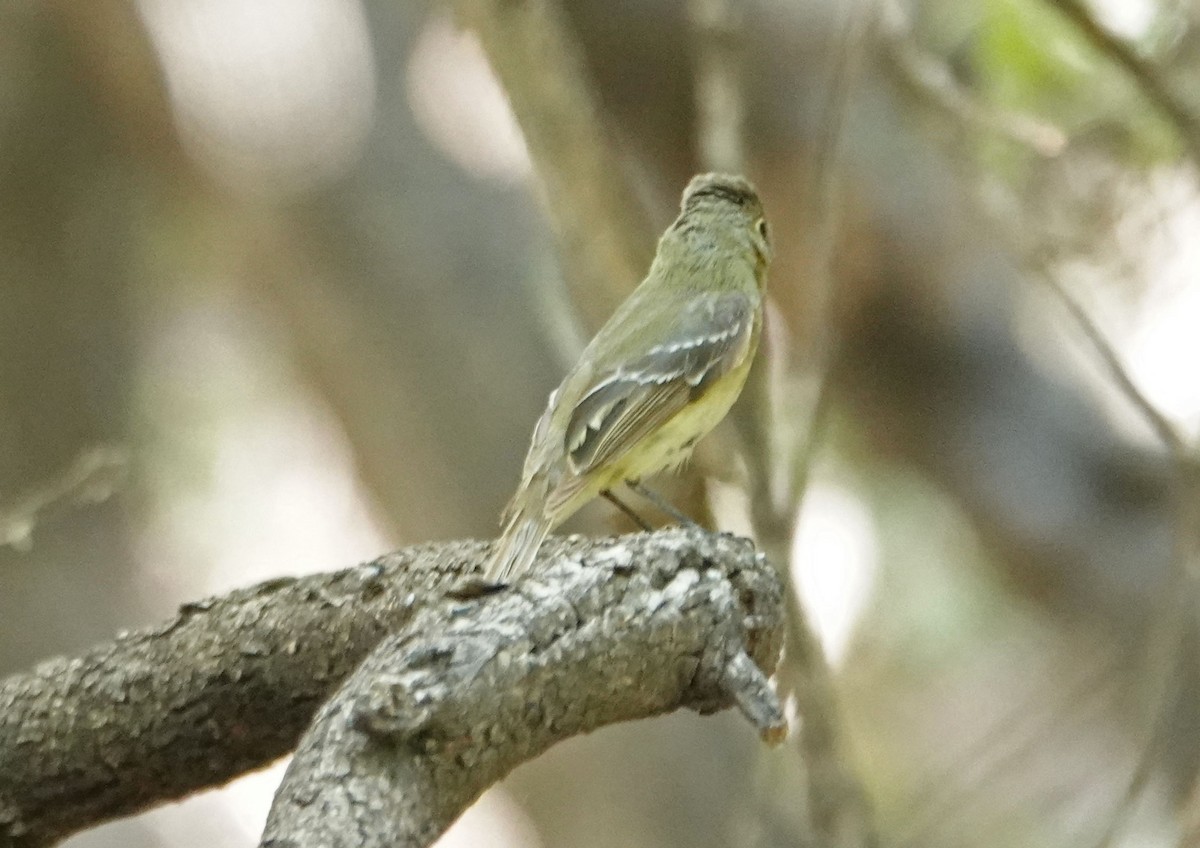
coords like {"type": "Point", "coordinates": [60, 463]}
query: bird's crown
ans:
{"type": "Point", "coordinates": [727, 188]}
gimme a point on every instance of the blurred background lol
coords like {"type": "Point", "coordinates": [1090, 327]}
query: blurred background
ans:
{"type": "Point", "coordinates": [278, 293]}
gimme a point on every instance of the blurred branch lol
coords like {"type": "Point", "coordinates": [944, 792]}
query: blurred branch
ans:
{"type": "Point", "coordinates": [1143, 73]}
{"type": "Point", "coordinates": [226, 686]}
{"type": "Point", "coordinates": [717, 28]}
{"type": "Point", "coordinates": [1177, 605]}
{"type": "Point", "coordinates": [1176, 609]}
{"type": "Point", "coordinates": [231, 683]}
{"type": "Point", "coordinates": [837, 800]}
{"type": "Point", "coordinates": [92, 478]}
{"type": "Point", "coordinates": [973, 775]}
{"type": "Point", "coordinates": [1175, 613]}
{"type": "Point", "coordinates": [604, 233]}
{"type": "Point", "coordinates": [1190, 822]}
{"type": "Point", "coordinates": [1162, 427]}
{"type": "Point", "coordinates": [933, 80]}
{"type": "Point", "coordinates": [472, 687]}
{"type": "Point", "coordinates": [823, 194]}
{"type": "Point", "coordinates": [717, 25]}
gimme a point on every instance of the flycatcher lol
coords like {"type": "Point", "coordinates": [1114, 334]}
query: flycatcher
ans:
{"type": "Point", "coordinates": [661, 373]}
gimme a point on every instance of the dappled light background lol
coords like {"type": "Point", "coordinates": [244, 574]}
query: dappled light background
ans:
{"type": "Point", "coordinates": [278, 292]}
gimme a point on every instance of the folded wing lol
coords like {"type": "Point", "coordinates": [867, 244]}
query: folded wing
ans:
{"type": "Point", "coordinates": [623, 406]}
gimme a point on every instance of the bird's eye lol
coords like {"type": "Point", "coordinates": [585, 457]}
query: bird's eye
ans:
{"type": "Point", "coordinates": [761, 226]}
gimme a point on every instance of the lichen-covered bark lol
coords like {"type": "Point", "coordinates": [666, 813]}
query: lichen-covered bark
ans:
{"type": "Point", "coordinates": [472, 687]}
{"type": "Point", "coordinates": [232, 682]}
{"type": "Point", "coordinates": [226, 686]}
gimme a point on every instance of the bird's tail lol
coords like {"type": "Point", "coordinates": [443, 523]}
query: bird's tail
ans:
{"type": "Point", "coordinates": [514, 551]}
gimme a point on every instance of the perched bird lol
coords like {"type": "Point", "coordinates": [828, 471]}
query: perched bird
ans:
{"type": "Point", "coordinates": [661, 373]}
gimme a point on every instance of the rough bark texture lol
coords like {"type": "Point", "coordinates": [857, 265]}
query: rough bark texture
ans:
{"type": "Point", "coordinates": [231, 683]}
{"type": "Point", "coordinates": [472, 687]}
{"type": "Point", "coordinates": [226, 686]}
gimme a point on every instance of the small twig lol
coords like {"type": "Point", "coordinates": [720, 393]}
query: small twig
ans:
{"type": "Point", "coordinates": [932, 79]}
{"type": "Point", "coordinates": [937, 804]}
{"type": "Point", "coordinates": [1190, 820]}
{"type": "Point", "coordinates": [837, 800]}
{"type": "Point", "coordinates": [1168, 630]}
{"type": "Point", "coordinates": [92, 478]}
{"type": "Point", "coordinates": [1167, 635]}
{"type": "Point", "coordinates": [1143, 73]}
{"type": "Point", "coordinates": [472, 688]}
{"type": "Point", "coordinates": [1135, 786]}
{"type": "Point", "coordinates": [1162, 427]}
{"type": "Point", "coordinates": [824, 192]}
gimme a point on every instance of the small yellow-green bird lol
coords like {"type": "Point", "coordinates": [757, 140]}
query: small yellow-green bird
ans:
{"type": "Point", "coordinates": [661, 373]}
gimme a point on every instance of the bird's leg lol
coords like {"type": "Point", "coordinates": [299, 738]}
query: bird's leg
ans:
{"type": "Point", "coordinates": [627, 509]}
{"type": "Point", "coordinates": [663, 504]}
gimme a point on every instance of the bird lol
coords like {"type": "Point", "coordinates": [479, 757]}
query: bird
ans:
{"type": "Point", "coordinates": [661, 373]}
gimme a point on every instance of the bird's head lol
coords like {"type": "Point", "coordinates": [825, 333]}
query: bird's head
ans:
{"type": "Point", "coordinates": [730, 200]}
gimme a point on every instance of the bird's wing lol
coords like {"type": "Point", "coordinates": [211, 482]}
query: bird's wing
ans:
{"type": "Point", "coordinates": [622, 406]}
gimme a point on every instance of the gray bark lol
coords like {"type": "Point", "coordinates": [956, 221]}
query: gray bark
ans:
{"type": "Point", "coordinates": [472, 687]}
{"type": "Point", "coordinates": [232, 682]}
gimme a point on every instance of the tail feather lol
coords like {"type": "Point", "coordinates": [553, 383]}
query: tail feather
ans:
{"type": "Point", "coordinates": [514, 552]}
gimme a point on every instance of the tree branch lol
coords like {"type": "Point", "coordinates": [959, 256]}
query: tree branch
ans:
{"type": "Point", "coordinates": [719, 104]}
{"type": "Point", "coordinates": [226, 686]}
{"type": "Point", "coordinates": [472, 687]}
{"type": "Point", "coordinates": [232, 682]}
{"type": "Point", "coordinates": [1144, 74]}
{"type": "Point", "coordinates": [604, 234]}
{"type": "Point", "coordinates": [933, 80]}
{"type": "Point", "coordinates": [839, 807]}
